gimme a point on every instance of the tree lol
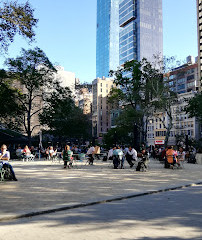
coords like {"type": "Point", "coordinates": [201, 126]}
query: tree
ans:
{"type": "Point", "coordinates": [134, 94]}
{"type": "Point", "coordinates": [15, 19]}
{"type": "Point", "coordinates": [11, 109]}
{"type": "Point", "coordinates": [33, 73]}
{"type": "Point", "coordinates": [194, 108]}
{"type": "Point", "coordinates": [144, 91]}
{"type": "Point", "coordinates": [118, 135]}
{"type": "Point", "coordinates": [62, 117]}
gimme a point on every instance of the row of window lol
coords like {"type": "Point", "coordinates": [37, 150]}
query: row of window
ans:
{"type": "Point", "coordinates": [130, 45]}
{"type": "Point", "coordinates": [127, 35]}
{"type": "Point", "coordinates": [128, 52]}
{"type": "Point", "coordinates": [172, 133]}
{"type": "Point", "coordinates": [127, 17]}
{"type": "Point", "coordinates": [127, 41]}
{"type": "Point", "coordinates": [124, 5]}
{"type": "Point", "coordinates": [128, 58]}
{"type": "Point", "coordinates": [127, 11]}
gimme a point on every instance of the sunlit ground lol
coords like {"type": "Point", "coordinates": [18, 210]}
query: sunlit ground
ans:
{"type": "Point", "coordinates": [45, 185]}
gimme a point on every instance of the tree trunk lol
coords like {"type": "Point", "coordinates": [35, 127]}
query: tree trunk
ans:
{"type": "Point", "coordinates": [29, 133]}
{"type": "Point", "coordinates": [136, 140]}
{"type": "Point", "coordinates": [170, 125]}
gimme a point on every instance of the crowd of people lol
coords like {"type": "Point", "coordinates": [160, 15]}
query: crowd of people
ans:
{"type": "Point", "coordinates": [179, 153]}
{"type": "Point", "coordinates": [118, 155]}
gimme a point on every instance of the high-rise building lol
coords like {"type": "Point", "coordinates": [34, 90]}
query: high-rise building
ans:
{"type": "Point", "coordinates": [107, 39]}
{"type": "Point", "coordinates": [101, 121]}
{"type": "Point", "coordinates": [184, 81]}
{"type": "Point", "coordinates": [184, 78]}
{"type": "Point", "coordinates": [141, 33]}
{"type": "Point", "coordinates": [66, 79]}
{"type": "Point", "coordinates": [199, 27]}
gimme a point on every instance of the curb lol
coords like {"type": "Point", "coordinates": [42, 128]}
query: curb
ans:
{"type": "Point", "coordinates": [33, 214]}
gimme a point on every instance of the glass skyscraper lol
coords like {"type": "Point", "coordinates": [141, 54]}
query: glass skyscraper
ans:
{"type": "Point", "coordinates": [107, 39]}
{"type": "Point", "coordinates": [141, 33]}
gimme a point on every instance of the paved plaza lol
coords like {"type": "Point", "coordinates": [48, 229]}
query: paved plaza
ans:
{"type": "Point", "coordinates": [45, 186]}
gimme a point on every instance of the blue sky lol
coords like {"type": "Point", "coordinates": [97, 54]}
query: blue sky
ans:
{"type": "Point", "coordinates": [66, 32]}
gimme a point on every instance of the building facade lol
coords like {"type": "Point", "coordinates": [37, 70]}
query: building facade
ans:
{"type": "Point", "coordinates": [185, 78]}
{"type": "Point", "coordinates": [185, 82]}
{"type": "Point", "coordinates": [101, 121]}
{"type": "Point", "coordinates": [107, 37]}
{"type": "Point", "coordinates": [83, 98]}
{"type": "Point", "coordinates": [141, 33]}
{"type": "Point", "coordinates": [66, 79]}
{"type": "Point", "coordinates": [199, 30]}
{"type": "Point", "coordinates": [183, 125]}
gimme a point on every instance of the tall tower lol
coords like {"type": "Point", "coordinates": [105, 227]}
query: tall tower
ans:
{"type": "Point", "coordinates": [107, 38]}
{"type": "Point", "coordinates": [141, 33]}
{"type": "Point", "coordinates": [199, 30]}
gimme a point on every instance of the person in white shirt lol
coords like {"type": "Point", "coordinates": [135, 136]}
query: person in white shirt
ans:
{"type": "Point", "coordinates": [181, 156]}
{"type": "Point", "coordinates": [4, 161]}
{"type": "Point", "coordinates": [90, 153]}
{"type": "Point", "coordinates": [52, 153]}
{"type": "Point", "coordinates": [19, 152]}
{"type": "Point", "coordinates": [110, 154]}
{"type": "Point", "coordinates": [131, 155]}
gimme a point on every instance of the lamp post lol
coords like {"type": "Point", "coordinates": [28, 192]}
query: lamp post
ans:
{"type": "Point", "coordinates": [40, 144]}
{"type": "Point", "coordinates": [115, 137]}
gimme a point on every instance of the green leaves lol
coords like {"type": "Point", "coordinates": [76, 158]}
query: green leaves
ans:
{"type": "Point", "coordinates": [142, 91]}
{"type": "Point", "coordinates": [15, 19]}
{"type": "Point", "coordinates": [63, 117]}
{"type": "Point", "coordinates": [194, 107]}
{"type": "Point", "coordinates": [11, 108]}
{"type": "Point", "coordinates": [33, 73]}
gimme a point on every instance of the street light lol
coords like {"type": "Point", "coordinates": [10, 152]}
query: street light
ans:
{"type": "Point", "coordinates": [40, 144]}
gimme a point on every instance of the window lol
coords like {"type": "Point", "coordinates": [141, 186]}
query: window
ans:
{"type": "Point", "coordinates": [190, 77]}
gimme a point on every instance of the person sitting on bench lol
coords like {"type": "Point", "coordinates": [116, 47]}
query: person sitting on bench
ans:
{"type": "Point", "coordinates": [5, 157]}
{"type": "Point", "coordinates": [171, 157]}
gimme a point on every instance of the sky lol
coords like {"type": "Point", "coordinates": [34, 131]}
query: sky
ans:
{"type": "Point", "coordinates": [66, 32]}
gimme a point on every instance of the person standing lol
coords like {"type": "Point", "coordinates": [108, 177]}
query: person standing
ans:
{"type": "Point", "coordinates": [181, 156]}
{"type": "Point", "coordinates": [110, 154]}
{"type": "Point", "coordinates": [67, 156]}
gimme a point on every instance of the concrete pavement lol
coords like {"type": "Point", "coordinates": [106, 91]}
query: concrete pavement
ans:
{"type": "Point", "coordinates": [45, 185]}
{"type": "Point", "coordinates": [173, 215]}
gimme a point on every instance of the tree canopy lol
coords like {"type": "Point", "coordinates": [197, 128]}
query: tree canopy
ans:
{"type": "Point", "coordinates": [62, 117]}
{"type": "Point", "coordinates": [142, 91]}
{"type": "Point", "coordinates": [33, 73]}
{"type": "Point", "coordinates": [15, 19]}
{"type": "Point", "coordinates": [194, 108]}
{"type": "Point", "coordinates": [11, 109]}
